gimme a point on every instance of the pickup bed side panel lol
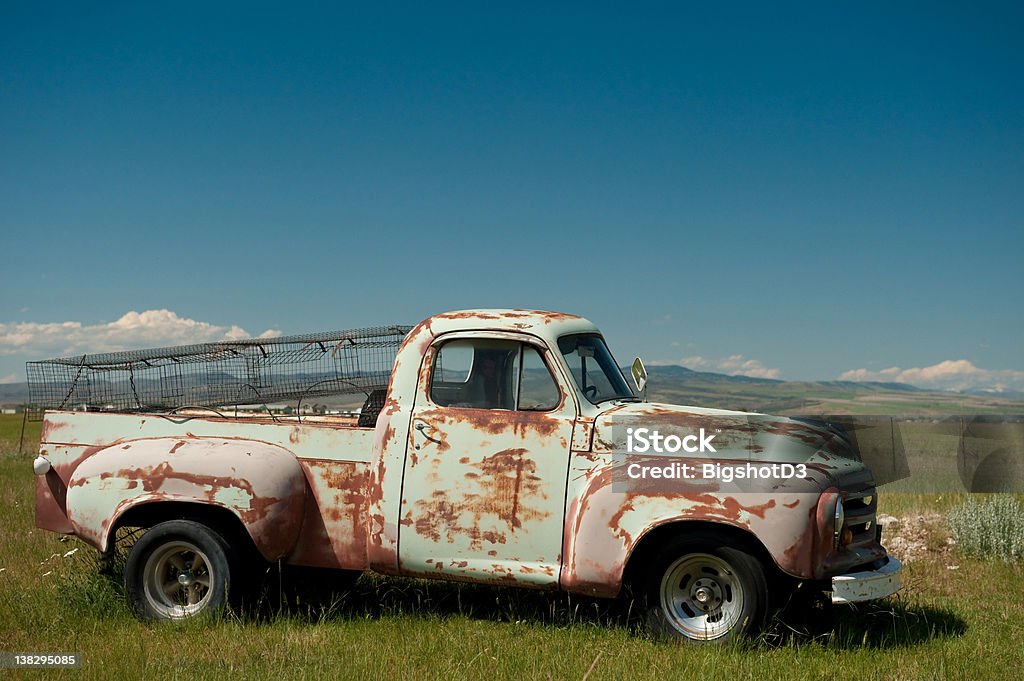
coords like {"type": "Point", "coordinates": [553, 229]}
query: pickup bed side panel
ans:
{"type": "Point", "coordinates": [334, 528]}
{"type": "Point", "coordinates": [262, 484]}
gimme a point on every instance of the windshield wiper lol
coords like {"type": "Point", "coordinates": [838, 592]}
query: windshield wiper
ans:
{"type": "Point", "coordinates": [630, 398]}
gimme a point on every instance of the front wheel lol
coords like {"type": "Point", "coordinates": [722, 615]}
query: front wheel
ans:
{"type": "Point", "coordinates": [702, 591]}
{"type": "Point", "coordinates": [177, 570]}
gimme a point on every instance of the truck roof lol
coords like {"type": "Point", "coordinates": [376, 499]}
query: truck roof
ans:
{"type": "Point", "coordinates": [539, 322]}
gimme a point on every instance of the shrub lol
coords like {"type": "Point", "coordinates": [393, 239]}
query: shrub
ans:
{"type": "Point", "coordinates": [989, 529]}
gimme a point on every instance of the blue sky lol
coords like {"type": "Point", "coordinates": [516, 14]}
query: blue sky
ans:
{"type": "Point", "coordinates": [799, 190]}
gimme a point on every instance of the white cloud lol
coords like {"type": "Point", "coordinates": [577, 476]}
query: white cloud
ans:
{"type": "Point", "coordinates": [954, 374]}
{"type": "Point", "coordinates": [889, 374]}
{"type": "Point", "coordinates": [133, 330]}
{"type": "Point", "coordinates": [738, 365]}
{"type": "Point", "coordinates": [734, 365]}
{"type": "Point", "coordinates": [10, 378]}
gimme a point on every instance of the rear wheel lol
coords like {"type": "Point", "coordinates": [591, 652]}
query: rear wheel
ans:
{"type": "Point", "coordinates": [698, 591]}
{"type": "Point", "coordinates": [177, 570]}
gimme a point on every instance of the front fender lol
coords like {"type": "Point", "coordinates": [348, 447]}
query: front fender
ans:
{"type": "Point", "coordinates": [604, 526]}
{"type": "Point", "coordinates": [604, 542]}
{"type": "Point", "coordinates": [260, 483]}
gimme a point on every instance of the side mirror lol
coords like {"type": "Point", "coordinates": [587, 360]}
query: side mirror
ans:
{"type": "Point", "coordinates": [639, 377]}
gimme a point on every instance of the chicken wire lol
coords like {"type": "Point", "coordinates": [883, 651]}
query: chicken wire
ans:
{"type": "Point", "coordinates": [254, 371]}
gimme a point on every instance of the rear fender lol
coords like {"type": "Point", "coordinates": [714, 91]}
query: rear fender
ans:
{"type": "Point", "coordinates": [260, 483]}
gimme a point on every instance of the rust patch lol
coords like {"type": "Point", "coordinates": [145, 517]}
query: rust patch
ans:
{"type": "Point", "coordinates": [51, 426]}
{"type": "Point", "coordinates": [615, 522]}
{"type": "Point", "coordinates": [507, 481]}
{"type": "Point", "coordinates": [542, 316]}
{"type": "Point", "coordinates": [154, 477]}
{"type": "Point", "coordinates": [391, 406]}
{"type": "Point", "coordinates": [50, 504]}
{"type": "Point", "coordinates": [799, 557]}
{"type": "Point", "coordinates": [496, 421]}
{"type": "Point", "coordinates": [334, 531]}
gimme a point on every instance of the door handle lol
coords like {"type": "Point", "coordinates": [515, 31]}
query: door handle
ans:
{"type": "Point", "coordinates": [424, 430]}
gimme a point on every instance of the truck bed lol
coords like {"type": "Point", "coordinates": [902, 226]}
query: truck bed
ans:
{"type": "Point", "coordinates": [332, 451]}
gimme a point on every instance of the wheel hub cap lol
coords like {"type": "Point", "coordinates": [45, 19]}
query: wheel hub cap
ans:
{"type": "Point", "coordinates": [707, 594]}
{"type": "Point", "coordinates": [178, 579]}
{"type": "Point", "coordinates": [701, 596]}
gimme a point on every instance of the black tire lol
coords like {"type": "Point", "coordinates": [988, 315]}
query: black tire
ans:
{"type": "Point", "coordinates": [701, 589]}
{"type": "Point", "coordinates": [178, 569]}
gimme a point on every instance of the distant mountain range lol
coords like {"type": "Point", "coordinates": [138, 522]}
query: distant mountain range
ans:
{"type": "Point", "coordinates": [682, 373]}
{"type": "Point", "coordinates": [994, 392]}
{"type": "Point", "coordinates": [13, 393]}
{"type": "Point", "coordinates": [679, 385]}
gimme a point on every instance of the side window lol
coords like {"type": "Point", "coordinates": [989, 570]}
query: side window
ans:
{"type": "Point", "coordinates": [476, 373]}
{"type": "Point", "coordinates": [485, 374]}
{"type": "Point", "coordinates": [538, 391]}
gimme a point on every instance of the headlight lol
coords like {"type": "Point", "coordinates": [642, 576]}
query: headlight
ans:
{"type": "Point", "coordinates": [840, 518]}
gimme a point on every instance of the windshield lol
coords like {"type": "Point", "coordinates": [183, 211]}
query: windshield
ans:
{"type": "Point", "coordinates": [592, 367]}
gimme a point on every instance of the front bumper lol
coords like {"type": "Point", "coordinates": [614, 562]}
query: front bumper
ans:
{"type": "Point", "coordinates": [867, 585]}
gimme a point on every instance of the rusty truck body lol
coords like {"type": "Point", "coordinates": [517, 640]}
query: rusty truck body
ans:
{"type": "Point", "coordinates": [496, 455]}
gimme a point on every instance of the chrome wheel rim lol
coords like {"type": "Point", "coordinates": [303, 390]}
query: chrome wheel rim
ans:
{"type": "Point", "coordinates": [701, 596]}
{"type": "Point", "coordinates": [178, 580]}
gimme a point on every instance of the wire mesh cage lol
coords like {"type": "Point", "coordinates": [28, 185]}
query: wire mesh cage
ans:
{"type": "Point", "coordinates": [253, 371]}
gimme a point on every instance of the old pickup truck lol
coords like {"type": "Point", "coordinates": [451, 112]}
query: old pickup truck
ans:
{"type": "Point", "coordinates": [503, 447]}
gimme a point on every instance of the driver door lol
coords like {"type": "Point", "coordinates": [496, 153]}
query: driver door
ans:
{"type": "Point", "coordinates": [484, 487]}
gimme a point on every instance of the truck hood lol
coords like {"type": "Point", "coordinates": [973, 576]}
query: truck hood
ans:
{"type": "Point", "coordinates": [735, 437]}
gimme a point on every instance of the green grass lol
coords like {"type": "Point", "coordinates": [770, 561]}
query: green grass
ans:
{"type": "Point", "coordinates": [11, 433]}
{"type": "Point", "coordinates": [964, 623]}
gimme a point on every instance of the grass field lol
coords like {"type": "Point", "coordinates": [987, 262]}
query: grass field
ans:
{"type": "Point", "coordinates": [963, 623]}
